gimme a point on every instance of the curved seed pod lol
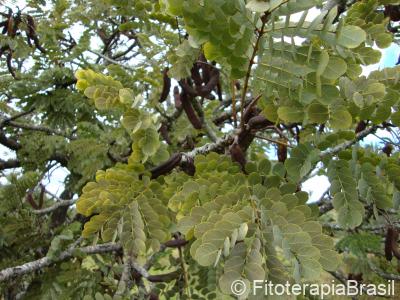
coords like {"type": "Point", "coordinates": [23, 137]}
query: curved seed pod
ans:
{"type": "Point", "coordinates": [227, 246]}
{"type": "Point", "coordinates": [219, 91]}
{"type": "Point", "coordinates": [234, 237]}
{"type": "Point", "coordinates": [191, 114]}
{"type": "Point", "coordinates": [31, 31]}
{"type": "Point", "coordinates": [166, 166]}
{"type": "Point", "coordinates": [218, 257]}
{"type": "Point", "coordinates": [10, 26]}
{"type": "Point", "coordinates": [387, 149]}
{"type": "Point", "coordinates": [282, 152]}
{"type": "Point", "coordinates": [187, 88]}
{"type": "Point", "coordinates": [164, 277]}
{"type": "Point", "coordinates": [164, 133]}
{"type": "Point", "coordinates": [388, 244]}
{"type": "Point", "coordinates": [360, 126]}
{"type": "Point", "coordinates": [242, 232]}
{"type": "Point", "coordinates": [9, 65]}
{"type": "Point", "coordinates": [177, 98]}
{"type": "Point", "coordinates": [166, 86]}
{"type": "Point", "coordinates": [393, 12]}
{"type": "Point", "coordinates": [211, 84]}
{"type": "Point", "coordinates": [41, 196]}
{"type": "Point", "coordinates": [258, 122]}
{"type": "Point", "coordinates": [237, 85]}
{"type": "Point", "coordinates": [31, 201]}
{"type": "Point", "coordinates": [175, 243]}
{"type": "Point", "coordinates": [205, 68]}
{"type": "Point", "coordinates": [237, 154]}
{"type": "Point", "coordinates": [395, 246]}
{"type": "Point", "coordinates": [195, 72]}
{"type": "Point", "coordinates": [188, 166]}
{"type": "Point", "coordinates": [391, 247]}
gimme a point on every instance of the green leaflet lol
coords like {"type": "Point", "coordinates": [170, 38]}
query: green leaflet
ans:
{"type": "Point", "coordinates": [107, 94]}
{"type": "Point", "coordinates": [343, 187]}
{"type": "Point", "coordinates": [351, 36]}
{"type": "Point", "coordinates": [360, 243]}
{"type": "Point", "coordinates": [134, 213]}
{"type": "Point", "coordinates": [224, 29]}
{"type": "Point", "coordinates": [300, 238]}
{"type": "Point", "coordinates": [372, 189]}
{"type": "Point", "coordinates": [301, 160]}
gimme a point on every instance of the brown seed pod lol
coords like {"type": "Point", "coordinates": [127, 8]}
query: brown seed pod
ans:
{"type": "Point", "coordinates": [164, 133]}
{"type": "Point", "coordinates": [31, 31]}
{"type": "Point", "coordinates": [188, 166]}
{"type": "Point", "coordinates": [393, 12]}
{"type": "Point", "coordinates": [237, 85]}
{"type": "Point", "coordinates": [175, 243]}
{"type": "Point", "coordinates": [237, 154]}
{"type": "Point", "coordinates": [166, 166]}
{"type": "Point", "coordinates": [166, 86]}
{"type": "Point", "coordinates": [387, 149]}
{"type": "Point", "coordinates": [41, 196]}
{"type": "Point", "coordinates": [206, 90]}
{"type": "Point", "coordinates": [30, 200]}
{"type": "Point", "coordinates": [195, 72]}
{"type": "Point", "coordinates": [282, 152]}
{"type": "Point", "coordinates": [258, 122]}
{"type": "Point", "coordinates": [391, 247]}
{"type": "Point", "coordinates": [177, 98]}
{"type": "Point", "coordinates": [360, 126]}
{"type": "Point", "coordinates": [191, 114]}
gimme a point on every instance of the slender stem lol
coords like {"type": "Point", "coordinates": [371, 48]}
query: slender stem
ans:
{"type": "Point", "coordinates": [185, 274]}
{"type": "Point", "coordinates": [251, 63]}
{"type": "Point", "coordinates": [273, 141]}
{"type": "Point", "coordinates": [234, 116]}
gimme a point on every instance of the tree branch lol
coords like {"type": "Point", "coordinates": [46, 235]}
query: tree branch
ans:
{"type": "Point", "coordinates": [345, 145]}
{"type": "Point", "coordinates": [9, 164]}
{"type": "Point", "coordinates": [46, 261]}
{"type": "Point", "coordinates": [54, 206]}
{"type": "Point", "coordinates": [39, 128]}
{"type": "Point", "coordinates": [388, 276]}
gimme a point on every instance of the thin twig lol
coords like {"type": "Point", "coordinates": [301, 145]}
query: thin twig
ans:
{"type": "Point", "coordinates": [46, 261]}
{"type": "Point", "coordinates": [273, 141]}
{"type": "Point", "coordinates": [251, 62]}
{"type": "Point", "coordinates": [54, 207]}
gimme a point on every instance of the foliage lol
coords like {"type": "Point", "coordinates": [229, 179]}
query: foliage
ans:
{"type": "Point", "coordinates": [187, 130]}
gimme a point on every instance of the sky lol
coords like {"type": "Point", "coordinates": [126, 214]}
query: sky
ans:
{"type": "Point", "coordinates": [316, 186]}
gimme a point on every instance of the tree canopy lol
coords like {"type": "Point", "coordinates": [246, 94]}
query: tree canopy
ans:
{"type": "Point", "coordinates": [187, 130]}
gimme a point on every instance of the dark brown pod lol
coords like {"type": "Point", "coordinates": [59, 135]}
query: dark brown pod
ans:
{"type": "Point", "coordinates": [188, 166]}
{"type": "Point", "coordinates": [393, 12]}
{"type": "Point", "coordinates": [390, 236]}
{"type": "Point", "coordinates": [211, 84]}
{"type": "Point", "coordinates": [166, 86]}
{"type": "Point", "coordinates": [387, 149]}
{"type": "Point", "coordinates": [31, 26]}
{"type": "Point", "coordinates": [237, 85]}
{"type": "Point", "coordinates": [41, 196]}
{"type": "Point", "coordinates": [166, 166]}
{"type": "Point", "coordinates": [163, 277]}
{"type": "Point", "coordinates": [164, 133]}
{"type": "Point", "coordinates": [175, 243]}
{"type": "Point", "coordinates": [237, 155]}
{"type": "Point", "coordinates": [360, 126]}
{"type": "Point", "coordinates": [282, 153]}
{"type": "Point", "coordinates": [391, 247]}
{"type": "Point", "coordinates": [177, 98]}
{"type": "Point", "coordinates": [195, 72]}
{"type": "Point", "coordinates": [191, 114]}
{"type": "Point", "coordinates": [29, 199]}
{"type": "Point", "coordinates": [258, 122]}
